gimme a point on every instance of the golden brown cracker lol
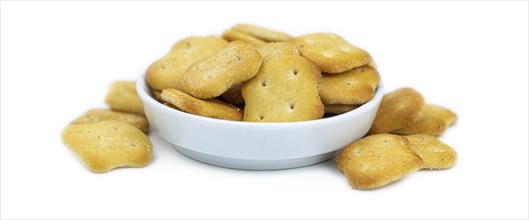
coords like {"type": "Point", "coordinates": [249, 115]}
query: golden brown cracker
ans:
{"type": "Point", "coordinates": [434, 153]}
{"type": "Point", "coordinates": [354, 87]}
{"type": "Point", "coordinates": [234, 95]}
{"type": "Point", "coordinates": [330, 52]}
{"type": "Point", "coordinates": [233, 35]}
{"type": "Point", "coordinates": [284, 90]}
{"type": "Point", "coordinates": [229, 66]}
{"type": "Point", "coordinates": [105, 145]}
{"type": "Point", "coordinates": [433, 120]}
{"type": "Point", "coordinates": [398, 109]}
{"type": "Point", "coordinates": [262, 33]}
{"type": "Point", "coordinates": [339, 109]}
{"type": "Point", "coordinates": [167, 71]}
{"type": "Point", "coordinates": [377, 160]}
{"type": "Point", "coordinates": [122, 96]}
{"type": "Point", "coordinates": [211, 108]}
{"type": "Point", "coordinates": [97, 115]}
{"type": "Point", "coordinates": [275, 49]}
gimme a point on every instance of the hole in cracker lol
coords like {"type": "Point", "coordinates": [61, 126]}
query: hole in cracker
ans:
{"type": "Point", "coordinates": [348, 83]}
{"type": "Point", "coordinates": [263, 83]}
{"type": "Point", "coordinates": [291, 106]}
{"type": "Point", "coordinates": [188, 46]}
{"type": "Point", "coordinates": [295, 72]}
{"type": "Point", "coordinates": [163, 66]}
{"type": "Point", "coordinates": [238, 58]}
{"type": "Point", "coordinates": [261, 117]}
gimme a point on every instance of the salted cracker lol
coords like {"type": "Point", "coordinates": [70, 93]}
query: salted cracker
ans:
{"type": "Point", "coordinates": [168, 70]}
{"type": "Point", "coordinates": [330, 52]}
{"type": "Point", "coordinates": [106, 145]}
{"type": "Point", "coordinates": [122, 96]}
{"type": "Point", "coordinates": [284, 90]}
{"type": "Point", "coordinates": [97, 115]}
{"type": "Point", "coordinates": [211, 108]}
{"type": "Point", "coordinates": [377, 160]}
{"type": "Point", "coordinates": [354, 87]}
{"type": "Point", "coordinates": [215, 74]}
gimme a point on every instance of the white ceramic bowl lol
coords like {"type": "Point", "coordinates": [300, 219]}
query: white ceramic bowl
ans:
{"type": "Point", "coordinates": [257, 145]}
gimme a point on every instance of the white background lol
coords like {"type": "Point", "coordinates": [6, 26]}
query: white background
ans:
{"type": "Point", "coordinates": [58, 58]}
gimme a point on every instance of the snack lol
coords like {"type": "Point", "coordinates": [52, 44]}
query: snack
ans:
{"type": "Point", "coordinates": [330, 52]}
{"type": "Point", "coordinates": [275, 49]}
{"type": "Point", "coordinates": [105, 145]}
{"type": "Point", "coordinates": [122, 96]}
{"type": "Point", "coordinates": [262, 33]}
{"type": "Point", "coordinates": [284, 90]}
{"type": "Point", "coordinates": [398, 109]}
{"type": "Point", "coordinates": [209, 108]}
{"type": "Point", "coordinates": [229, 66]}
{"type": "Point", "coordinates": [433, 120]}
{"type": "Point", "coordinates": [233, 35]}
{"type": "Point", "coordinates": [354, 87]}
{"type": "Point", "coordinates": [339, 109]}
{"type": "Point", "coordinates": [97, 115]}
{"type": "Point", "coordinates": [377, 160]}
{"type": "Point", "coordinates": [434, 153]}
{"type": "Point", "coordinates": [167, 71]}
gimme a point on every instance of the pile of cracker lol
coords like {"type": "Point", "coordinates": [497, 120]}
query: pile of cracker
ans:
{"type": "Point", "coordinates": [402, 140]}
{"type": "Point", "coordinates": [105, 139]}
{"type": "Point", "coordinates": [256, 74]}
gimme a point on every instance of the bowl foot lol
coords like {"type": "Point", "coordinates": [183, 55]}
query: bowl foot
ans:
{"type": "Point", "coordinates": [245, 164]}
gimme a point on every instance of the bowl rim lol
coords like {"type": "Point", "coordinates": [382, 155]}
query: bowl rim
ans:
{"type": "Point", "coordinates": [145, 94]}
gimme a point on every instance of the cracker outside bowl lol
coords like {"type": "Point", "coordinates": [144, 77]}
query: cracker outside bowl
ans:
{"type": "Point", "coordinates": [257, 145]}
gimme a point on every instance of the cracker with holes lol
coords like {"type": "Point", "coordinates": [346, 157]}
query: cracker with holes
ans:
{"type": "Point", "coordinates": [167, 71]}
{"type": "Point", "coordinates": [284, 90]}
{"type": "Point", "coordinates": [275, 49]}
{"type": "Point", "coordinates": [267, 52]}
{"type": "Point", "coordinates": [208, 108]}
{"type": "Point", "coordinates": [229, 66]}
{"type": "Point", "coordinates": [377, 160]}
{"type": "Point", "coordinates": [433, 120]}
{"type": "Point", "coordinates": [330, 52]}
{"type": "Point", "coordinates": [339, 109]}
{"type": "Point", "coordinates": [122, 96]}
{"type": "Point", "coordinates": [105, 145]}
{"type": "Point", "coordinates": [434, 153]}
{"type": "Point", "coordinates": [354, 87]}
{"type": "Point", "coordinates": [97, 115]}
{"type": "Point", "coordinates": [262, 33]}
{"type": "Point", "coordinates": [398, 109]}
{"type": "Point", "coordinates": [233, 35]}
